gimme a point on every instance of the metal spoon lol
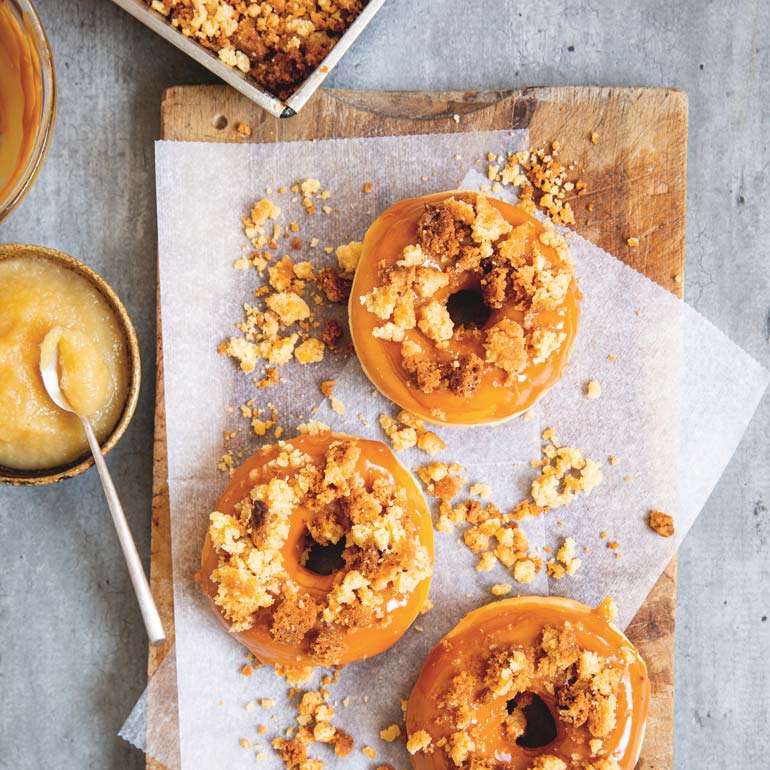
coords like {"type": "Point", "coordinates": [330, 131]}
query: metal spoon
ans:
{"type": "Point", "coordinates": [49, 370]}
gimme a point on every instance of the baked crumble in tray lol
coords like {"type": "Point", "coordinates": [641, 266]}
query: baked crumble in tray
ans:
{"type": "Point", "coordinates": [276, 53]}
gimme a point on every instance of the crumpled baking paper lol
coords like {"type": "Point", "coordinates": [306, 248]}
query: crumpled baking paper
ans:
{"type": "Point", "coordinates": [671, 410]}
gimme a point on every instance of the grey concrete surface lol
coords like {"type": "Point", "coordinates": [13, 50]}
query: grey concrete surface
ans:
{"type": "Point", "coordinates": [72, 659]}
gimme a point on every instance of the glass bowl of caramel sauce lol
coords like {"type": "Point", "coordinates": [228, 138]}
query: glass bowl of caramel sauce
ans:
{"type": "Point", "coordinates": [27, 100]}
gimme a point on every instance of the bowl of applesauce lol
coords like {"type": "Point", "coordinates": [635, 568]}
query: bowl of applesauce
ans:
{"type": "Point", "coordinates": [99, 368]}
{"type": "Point", "coordinates": [27, 100]}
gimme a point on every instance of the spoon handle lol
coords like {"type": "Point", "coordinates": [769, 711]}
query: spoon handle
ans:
{"type": "Point", "coordinates": [152, 621]}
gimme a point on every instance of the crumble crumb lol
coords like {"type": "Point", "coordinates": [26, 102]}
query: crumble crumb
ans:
{"type": "Point", "coordinates": [418, 741]}
{"type": "Point", "coordinates": [524, 570]}
{"type": "Point", "coordinates": [311, 351]}
{"type": "Point", "coordinates": [294, 674]}
{"type": "Point", "coordinates": [327, 387]}
{"type": "Point", "coordinates": [565, 472]}
{"type": "Point", "coordinates": [632, 242]}
{"type": "Point", "coordinates": [430, 443]}
{"type": "Point", "coordinates": [227, 463]}
{"type": "Point", "coordinates": [480, 490]}
{"type": "Point", "coordinates": [390, 733]}
{"type": "Point", "coordinates": [594, 137]}
{"type": "Point", "coordinates": [501, 589]}
{"type": "Point", "coordinates": [441, 480]}
{"type": "Point", "coordinates": [593, 389]}
{"type": "Point", "coordinates": [332, 332]}
{"type": "Point", "coordinates": [313, 428]}
{"type": "Point", "coordinates": [662, 523]}
{"type": "Point", "coordinates": [348, 256]}
{"type": "Point", "coordinates": [368, 751]}
{"type": "Point", "coordinates": [335, 286]}
{"type": "Point", "coordinates": [486, 562]}
{"type": "Point", "coordinates": [565, 562]}
{"type": "Point", "coordinates": [401, 437]}
{"type": "Point", "coordinates": [407, 431]}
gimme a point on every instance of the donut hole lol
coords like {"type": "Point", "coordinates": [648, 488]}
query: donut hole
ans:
{"type": "Point", "coordinates": [541, 726]}
{"type": "Point", "coordinates": [323, 559]}
{"type": "Point", "coordinates": [467, 308]}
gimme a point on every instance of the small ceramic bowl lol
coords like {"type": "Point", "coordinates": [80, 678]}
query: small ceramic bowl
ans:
{"type": "Point", "coordinates": [51, 475]}
{"type": "Point", "coordinates": [39, 53]}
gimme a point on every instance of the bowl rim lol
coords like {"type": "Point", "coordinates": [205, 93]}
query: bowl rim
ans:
{"type": "Point", "coordinates": [39, 477]}
{"type": "Point", "coordinates": [26, 12]}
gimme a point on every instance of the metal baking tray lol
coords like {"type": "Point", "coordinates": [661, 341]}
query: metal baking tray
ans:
{"type": "Point", "coordinates": [281, 109]}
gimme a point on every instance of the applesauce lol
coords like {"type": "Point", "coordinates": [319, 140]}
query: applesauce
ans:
{"type": "Point", "coordinates": [36, 297]}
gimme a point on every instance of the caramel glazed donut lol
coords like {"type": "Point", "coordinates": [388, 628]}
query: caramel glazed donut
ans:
{"type": "Point", "coordinates": [464, 309]}
{"type": "Point", "coordinates": [535, 683]}
{"type": "Point", "coordinates": [320, 551]}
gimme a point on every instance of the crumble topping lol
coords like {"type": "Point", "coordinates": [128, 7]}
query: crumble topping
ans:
{"type": "Point", "coordinates": [465, 237]}
{"type": "Point", "coordinates": [539, 172]}
{"type": "Point", "coordinates": [496, 536]}
{"type": "Point", "coordinates": [583, 684]}
{"type": "Point", "coordinates": [282, 329]}
{"type": "Point", "coordinates": [382, 554]}
{"type": "Point", "coordinates": [276, 44]}
{"type": "Point", "coordinates": [662, 523]}
{"type": "Point", "coordinates": [314, 725]}
{"type": "Point", "coordinates": [490, 533]}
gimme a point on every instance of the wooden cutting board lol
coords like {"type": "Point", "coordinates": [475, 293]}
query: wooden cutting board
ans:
{"type": "Point", "coordinates": [636, 177]}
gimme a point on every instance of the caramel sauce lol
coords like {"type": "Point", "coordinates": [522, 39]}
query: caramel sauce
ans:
{"type": "Point", "coordinates": [21, 99]}
{"type": "Point", "coordinates": [376, 461]}
{"type": "Point", "coordinates": [520, 621]}
{"type": "Point", "coordinates": [493, 401]}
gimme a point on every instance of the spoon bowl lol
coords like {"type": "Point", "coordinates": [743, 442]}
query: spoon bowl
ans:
{"type": "Point", "coordinates": [49, 369]}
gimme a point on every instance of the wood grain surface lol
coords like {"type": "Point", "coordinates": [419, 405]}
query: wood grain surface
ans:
{"type": "Point", "coordinates": [636, 177]}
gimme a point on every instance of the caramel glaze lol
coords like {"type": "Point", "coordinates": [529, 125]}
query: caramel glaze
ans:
{"type": "Point", "coordinates": [492, 402]}
{"type": "Point", "coordinates": [520, 621]}
{"type": "Point", "coordinates": [21, 99]}
{"type": "Point", "coordinates": [376, 461]}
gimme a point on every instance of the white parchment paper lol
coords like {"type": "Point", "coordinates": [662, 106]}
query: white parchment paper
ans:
{"type": "Point", "coordinates": [672, 411]}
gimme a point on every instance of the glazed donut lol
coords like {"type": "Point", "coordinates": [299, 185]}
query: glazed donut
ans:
{"type": "Point", "coordinates": [535, 683]}
{"type": "Point", "coordinates": [464, 309]}
{"type": "Point", "coordinates": [320, 551]}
